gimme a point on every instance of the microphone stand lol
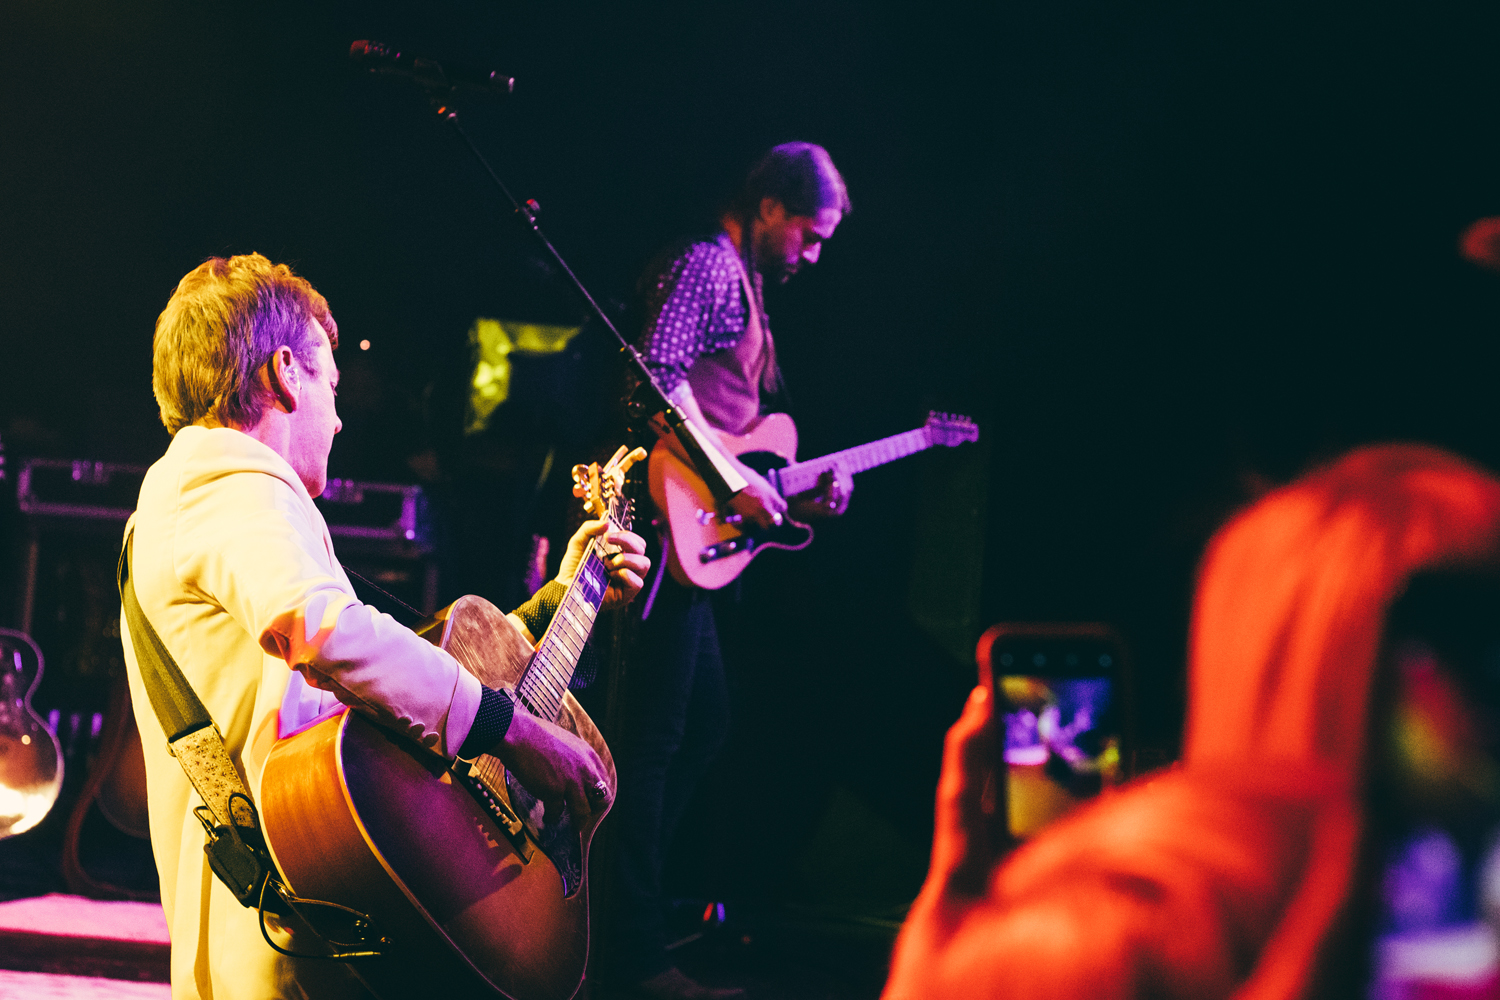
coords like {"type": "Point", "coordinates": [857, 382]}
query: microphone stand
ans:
{"type": "Point", "coordinates": [647, 401]}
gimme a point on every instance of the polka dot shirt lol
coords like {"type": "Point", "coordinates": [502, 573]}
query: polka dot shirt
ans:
{"type": "Point", "coordinates": [696, 306]}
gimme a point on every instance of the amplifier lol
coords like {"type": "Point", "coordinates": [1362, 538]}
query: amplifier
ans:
{"type": "Point", "coordinates": [78, 489]}
{"type": "Point", "coordinates": [75, 510]}
{"type": "Point", "coordinates": [385, 516]}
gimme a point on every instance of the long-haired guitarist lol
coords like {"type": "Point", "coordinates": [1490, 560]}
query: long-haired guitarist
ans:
{"type": "Point", "coordinates": [234, 568]}
{"type": "Point", "coordinates": [707, 342]}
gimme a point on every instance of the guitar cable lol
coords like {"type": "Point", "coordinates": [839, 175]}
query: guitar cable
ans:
{"type": "Point", "coordinates": [338, 949]}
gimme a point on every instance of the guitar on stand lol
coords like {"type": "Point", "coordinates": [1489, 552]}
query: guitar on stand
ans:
{"type": "Point", "coordinates": [31, 759]}
{"type": "Point", "coordinates": [471, 890]}
{"type": "Point", "coordinates": [710, 547]}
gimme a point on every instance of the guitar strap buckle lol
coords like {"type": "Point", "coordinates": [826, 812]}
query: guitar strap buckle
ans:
{"type": "Point", "coordinates": [237, 850]}
{"type": "Point", "coordinates": [238, 855]}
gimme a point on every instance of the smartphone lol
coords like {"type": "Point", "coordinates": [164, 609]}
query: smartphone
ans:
{"type": "Point", "coordinates": [1061, 713]}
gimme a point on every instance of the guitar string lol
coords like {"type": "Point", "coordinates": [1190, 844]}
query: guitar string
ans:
{"type": "Point", "coordinates": [864, 457]}
{"type": "Point", "coordinates": [550, 675]}
{"type": "Point", "coordinates": [860, 458]}
{"type": "Point", "coordinates": [546, 676]}
{"type": "Point", "coordinates": [553, 685]}
{"type": "Point", "coordinates": [491, 770]}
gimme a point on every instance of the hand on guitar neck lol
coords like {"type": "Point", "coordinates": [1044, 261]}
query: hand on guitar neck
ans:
{"type": "Point", "coordinates": [627, 561]}
{"type": "Point", "coordinates": [551, 763]}
{"type": "Point", "coordinates": [830, 498]}
{"type": "Point", "coordinates": [761, 503]}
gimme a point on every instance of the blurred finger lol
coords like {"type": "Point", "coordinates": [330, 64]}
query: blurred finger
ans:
{"type": "Point", "coordinates": [961, 841]}
{"type": "Point", "coordinates": [622, 589]}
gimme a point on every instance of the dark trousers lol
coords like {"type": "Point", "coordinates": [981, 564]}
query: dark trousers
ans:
{"type": "Point", "coordinates": [675, 718]}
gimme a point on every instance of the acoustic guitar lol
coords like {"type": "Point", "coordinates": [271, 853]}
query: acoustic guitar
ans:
{"type": "Point", "coordinates": [474, 892]}
{"type": "Point", "coordinates": [31, 760]}
{"type": "Point", "coordinates": [710, 547]}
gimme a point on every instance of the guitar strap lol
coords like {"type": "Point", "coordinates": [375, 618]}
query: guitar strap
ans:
{"type": "Point", "coordinates": [768, 379]}
{"type": "Point", "coordinates": [235, 847]}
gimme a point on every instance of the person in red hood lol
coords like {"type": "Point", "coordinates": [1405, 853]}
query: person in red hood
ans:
{"type": "Point", "coordinates": [1246, 870]}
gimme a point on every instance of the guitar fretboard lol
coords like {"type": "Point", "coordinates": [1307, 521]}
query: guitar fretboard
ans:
{"type": "Point", "coordinates": [803, 476]}
{"type": "Point", "coordinates": [551, 670]}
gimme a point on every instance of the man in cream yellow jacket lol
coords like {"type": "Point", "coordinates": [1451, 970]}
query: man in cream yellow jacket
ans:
{"type": "Point", "coordinates": [234, 567]}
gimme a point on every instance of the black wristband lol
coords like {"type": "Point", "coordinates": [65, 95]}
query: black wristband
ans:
{"type": "Point", "coordinates": [537, 613]}
{"type": "Point", "coordinates": [491, 723]}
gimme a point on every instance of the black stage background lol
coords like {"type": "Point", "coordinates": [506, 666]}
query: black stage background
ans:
{"type": "Point", "coordinates": [1166, 256]}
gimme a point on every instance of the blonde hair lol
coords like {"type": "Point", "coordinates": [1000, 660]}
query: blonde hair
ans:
{"type": "Point", "coordinates": [224, 321]}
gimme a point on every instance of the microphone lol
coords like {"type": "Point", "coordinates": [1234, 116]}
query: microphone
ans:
{"type": "Point", "coordinates": [379, 57]}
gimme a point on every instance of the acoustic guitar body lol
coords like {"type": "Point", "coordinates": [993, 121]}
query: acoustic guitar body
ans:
{"type": "Point", "coordinates": [472, 907]}
{"type": "Point", "coordinates": [709, 548]}
{"type": "Point", "coordinates": [31, 760]}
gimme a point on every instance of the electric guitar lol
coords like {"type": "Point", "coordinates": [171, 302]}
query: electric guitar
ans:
{"type": "Point", "coordinates": [31, 760]}
{"type": "Point", "coordinates": [710, 547]}
{"type": "Point", "coordinates": [472, 892]}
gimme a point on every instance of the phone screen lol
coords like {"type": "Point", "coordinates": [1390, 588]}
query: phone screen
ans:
{"type": "Point", "coordinates": [1061, 704]}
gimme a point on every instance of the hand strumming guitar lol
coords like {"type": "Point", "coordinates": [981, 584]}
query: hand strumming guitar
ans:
{"type": "Point", "coordinates": [552, 764]}
{"type": "Point", "coordinates": [627, 568]}
{"type": "Point", "coordinates": [759, 500]}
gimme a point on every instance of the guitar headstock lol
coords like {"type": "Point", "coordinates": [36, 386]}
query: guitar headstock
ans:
{"type": "Point", "coordinates": [603, 488]}
{"type": "Point", "coordinates": [950, 429]}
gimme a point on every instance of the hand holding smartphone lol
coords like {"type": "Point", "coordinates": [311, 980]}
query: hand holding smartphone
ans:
{"type": "Point", "coordinates": [1061, 717]}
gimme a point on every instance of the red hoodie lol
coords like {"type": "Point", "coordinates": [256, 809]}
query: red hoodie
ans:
{"type": "Point", "coordinates": [1225, 875]}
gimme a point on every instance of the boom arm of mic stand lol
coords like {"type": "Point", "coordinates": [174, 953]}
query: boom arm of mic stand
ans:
{"type": "Point", "coordinates": [722, 478]}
